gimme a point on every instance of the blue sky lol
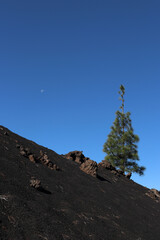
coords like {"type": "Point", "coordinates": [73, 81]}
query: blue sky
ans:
{"type": "Point", "coordinates": [61, 65]}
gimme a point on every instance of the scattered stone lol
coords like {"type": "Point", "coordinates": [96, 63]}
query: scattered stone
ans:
{"type": "Point", "coordinates": [23, 153]}
{"type": "Point", "coordinates": [32, 158]}
{"type": "Point", "coordinates": [6, 133]}
{"type": "Point", "coordinates": [46, 161]}
{"type": "Point", "coordinates": [21, 148]}
{"type": "Point", "coordinates": [43, 158]}
{"type": "Point", "coordinates": [35, 183]}
{"type": "Point", "coordinates": [55, 167]}
{"type": "Point", "coordinates": [27, 150]}
{"type": "Point", "coordinates": [4, 197]}
{"type": "Point", "coordinates": [89, 167]}
{"type": "Point", "coordinates": [41, 153]}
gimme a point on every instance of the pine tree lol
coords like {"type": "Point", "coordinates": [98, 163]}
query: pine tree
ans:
{"type": "Point", "coordinates": [121, 147]}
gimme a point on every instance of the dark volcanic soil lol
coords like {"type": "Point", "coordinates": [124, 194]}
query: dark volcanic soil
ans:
{"type": "Point", "coordinates": [47, 197]}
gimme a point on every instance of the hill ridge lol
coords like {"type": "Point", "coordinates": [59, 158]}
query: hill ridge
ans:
{"type": "Point", "coordinates": [48, 196]}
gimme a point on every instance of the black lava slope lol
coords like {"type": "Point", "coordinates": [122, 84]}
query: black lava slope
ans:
{"type": "Point", "coordinates": [44, 196]}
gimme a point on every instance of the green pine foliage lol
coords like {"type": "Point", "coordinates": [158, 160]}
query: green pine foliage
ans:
{"type": "Point", "coordinates": [121, 145]}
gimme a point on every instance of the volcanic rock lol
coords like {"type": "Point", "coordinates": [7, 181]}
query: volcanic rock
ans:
{"type": "Point", "coordinates": [32, 158]}
{"type": "Point", "coordinates": [76, 156]}
{"type": "Point", "coordinates": [154, 194]}
{"type": "Point", "coordinates": [46, 161]}
{"type": "Point", "coordinates": [89, 167]}
{"type": "Point", "coordinates": [23, 153]}
{"type": "Point", "coordinates": [106, 164]}
{"type": "Point", "coordinates": [35, 183]}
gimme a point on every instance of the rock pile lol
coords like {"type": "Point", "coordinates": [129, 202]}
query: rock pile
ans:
{"type": "Point", "coordinates": [42, 158]}
{"type": "Point", "coordinates": [90, 167]}
{"type": "Point", "coordinates": [76, 156]}
{"type": "Point", "coordinates": [46, 161]}
{"type": "Point", "coordinates": [86, 164]}
{"type": "Point", "coordinates": [107, 165]}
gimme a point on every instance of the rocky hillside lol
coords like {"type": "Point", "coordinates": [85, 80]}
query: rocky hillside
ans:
{"type": "Point", "coordinates": [46, 196]}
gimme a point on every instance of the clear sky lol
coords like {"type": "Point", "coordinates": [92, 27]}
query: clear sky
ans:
{"type": "Point", "coordinates": [61, 65]}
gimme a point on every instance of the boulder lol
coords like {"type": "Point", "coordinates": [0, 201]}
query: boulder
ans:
{"type": "Point", "coordinates": [31, 158]}
{"type": "Point", "coordinates": [35, 183]}
{"type": "Point", "coordinates": [76, 156]}
{"type": "Point", "coordinates": [106, 164]}
{"type": "Point", "coordinates": [89, 167]}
